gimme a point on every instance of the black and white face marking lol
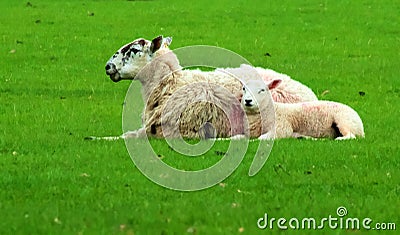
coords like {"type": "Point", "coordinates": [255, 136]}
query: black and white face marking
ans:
{"type": "Point", "coordinates": [132, 49]}
{"type": "Point", "coordinates": [132, 57]}
{"type": "Point", "coordinates": [125, 55]}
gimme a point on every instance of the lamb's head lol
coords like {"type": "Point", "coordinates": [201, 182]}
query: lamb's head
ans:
{"type": "Point", "coordinates": [132, 57]}
{"type": "Point", "coordinates": [255, 94]}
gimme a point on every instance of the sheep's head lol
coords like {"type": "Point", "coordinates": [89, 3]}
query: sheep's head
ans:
{"type": "Point", "coordinates": [255, 94]}
{"type": "Point", "coordinates": [132, 57]}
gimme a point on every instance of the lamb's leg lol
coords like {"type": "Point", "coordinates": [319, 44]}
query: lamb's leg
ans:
{"type": "Point", "coordinates": [348, 136]}
{"type": "Point", "coordinates": [283, 129]}
{"type": "Point", "coordinates": [346, 133]}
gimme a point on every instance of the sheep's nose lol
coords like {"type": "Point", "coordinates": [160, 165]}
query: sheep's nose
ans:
{"type": "Point", "coordinates": [110, 68]}
{"type": "Point", "coordinates": [248, 102]}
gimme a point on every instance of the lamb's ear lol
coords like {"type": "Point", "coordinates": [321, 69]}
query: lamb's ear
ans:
{"type": "Point", "coordinates": [156, 43]}
{"type": "Point", "coordinates": [274, 83]}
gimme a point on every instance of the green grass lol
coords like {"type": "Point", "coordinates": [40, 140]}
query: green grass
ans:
{"type": "Point", "coordinates": [54, 92]}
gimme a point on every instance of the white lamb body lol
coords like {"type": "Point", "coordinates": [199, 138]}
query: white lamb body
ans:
{"type": "Point", "coordinates": [317, 119]}
{"type": "Point", "coordinates": [288, 91]}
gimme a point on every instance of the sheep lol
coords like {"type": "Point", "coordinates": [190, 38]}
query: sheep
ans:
{"type": "Point", "coordinates": [288, 91]}
{"type": "Point", "coordinates": [315, 119]}
{"type": "Point", "coordinates": [151, 61]}
{"type": "Point", "coordinates": [188, 103]}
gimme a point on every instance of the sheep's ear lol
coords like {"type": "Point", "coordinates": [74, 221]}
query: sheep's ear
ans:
{"type": "Point", "coordinates": [167, 41]}
{"type": "Point", "coordinates": [156, 43]}
{"type": "Point", "coordinates": [274, 83]}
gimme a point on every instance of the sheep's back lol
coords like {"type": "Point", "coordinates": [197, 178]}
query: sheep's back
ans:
{"type": "Point", "coordinates": [183, 104]}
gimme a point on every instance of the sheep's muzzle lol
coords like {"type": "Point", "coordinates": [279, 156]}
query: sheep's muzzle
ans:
{"type": "Point", "coordinates": [111, 71]}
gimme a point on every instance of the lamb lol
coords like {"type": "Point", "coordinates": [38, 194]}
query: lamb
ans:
{"type": "Point", "coordinates": [316, 119]}
{"type": "Point", "coordinates": [288, 90]}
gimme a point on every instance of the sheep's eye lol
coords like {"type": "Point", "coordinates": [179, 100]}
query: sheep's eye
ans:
{"type": "Point", "coordinates": [244, 89]}
{"type": "Point", "coordinates": [262, 90]}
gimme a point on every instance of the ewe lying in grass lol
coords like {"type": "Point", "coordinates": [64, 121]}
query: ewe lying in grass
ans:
{"type": "Point", "coordinates": [317, 119]}
{"type": "Point", "coordinates": [188, 103]}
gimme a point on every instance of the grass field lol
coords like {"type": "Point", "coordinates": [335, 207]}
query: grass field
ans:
{"type": "Point", "coordinates": [54, 92]}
